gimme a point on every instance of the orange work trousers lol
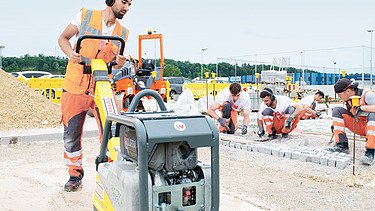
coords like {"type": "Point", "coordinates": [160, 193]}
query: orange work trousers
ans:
{"type": "Point", "coordinates": [365, 126]}
{"type": "Point", "coordinates": [231, 114]}
{"type": "Point", "coordinates": [74, 109]}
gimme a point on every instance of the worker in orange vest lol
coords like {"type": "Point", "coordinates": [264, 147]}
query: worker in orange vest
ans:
{"type": "Point", "coordinates": [279, 113]}
{"type": "Point", "coordinates": [344, 118]}
{"type": "Point", "coordinates": [309, 105]}
{"type": "Point", "coordinates": [78, 87]}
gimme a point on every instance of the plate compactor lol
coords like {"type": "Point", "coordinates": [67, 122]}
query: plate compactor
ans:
{"type": "Point", "coordinates": [152, 162]}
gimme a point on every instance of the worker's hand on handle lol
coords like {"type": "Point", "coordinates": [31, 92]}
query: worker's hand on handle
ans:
{"type": "Point", "coordinates": [74, 57]}
{"type": "Point", "coordinates": [288, 123]}
{"type": "Point", "coordinates": [261, 132]}
{"type": "Point", "coordinates": [244, 130]}
{"type": "Point", "coordinates": [120, 60]}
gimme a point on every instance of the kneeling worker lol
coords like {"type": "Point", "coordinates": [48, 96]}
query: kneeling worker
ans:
{"type": "Point", "coordinates": [309, 104]}
{"type": "Point", "coordinates": [230, 101]}
{"type": "Point", "coordinates": [344, 118]}
{"type": "Point", "coordinates": [279, 113]}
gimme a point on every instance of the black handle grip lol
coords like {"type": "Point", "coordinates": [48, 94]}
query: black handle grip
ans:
{"type": "Point", "coordinates": [101, 37]}
{"type": "Point", "coordinates": [143, 93]}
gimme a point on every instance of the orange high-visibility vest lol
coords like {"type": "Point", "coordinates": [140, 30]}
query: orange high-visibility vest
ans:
{"type": "Point", "coordinates": [91, 23]}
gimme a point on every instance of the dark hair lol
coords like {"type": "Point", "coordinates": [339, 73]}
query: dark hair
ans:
{"type": "Point", "coordinates": [266, 92]}
{"type": "Point", "coordinates": [320, 93]}
{"type": "Point", "coordinates": [235, 88]}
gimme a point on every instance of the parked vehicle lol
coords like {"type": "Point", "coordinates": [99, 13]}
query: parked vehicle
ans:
{"type": "Point", "coordinates": [176, 84]}
{"type": "Point", "coordinates": [30, 74]}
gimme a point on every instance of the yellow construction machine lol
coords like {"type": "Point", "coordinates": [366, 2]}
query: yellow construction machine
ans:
{"type": "Point", "coordinates": [154, 164]}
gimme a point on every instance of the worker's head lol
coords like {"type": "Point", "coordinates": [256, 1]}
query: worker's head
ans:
{"type": "Point", "coordinates": [346, 88]}
{"type": "Point", "coordinates": [319, 95]}
{"type": "Point", "coordinates": [119, 7]}
{"type": "Point", "coordinates": [235, 91]}
{"type": "Point", "coordinates": [267, 97]}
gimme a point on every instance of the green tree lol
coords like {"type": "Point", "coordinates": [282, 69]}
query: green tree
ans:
{"type": "Point", "coordinates": [171, 70]}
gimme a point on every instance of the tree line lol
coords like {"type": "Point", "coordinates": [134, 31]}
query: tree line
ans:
{"type": "Point", "coordinates": [57, 65]}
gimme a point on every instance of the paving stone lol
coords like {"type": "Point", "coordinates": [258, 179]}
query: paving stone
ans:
{"type": "Point", "coordinates": [265, 149]}
{"type": "Point", "coordinates": [226, 143]}
{"type": "Point", "coordinates": [254, 148]}
{"type": "Point", "coordinates": [275, 151]}
{"type": "Point", "coordinates": [324, 160]}
{"type": "Point", "coordinates": [237, 146]}
{"type": "Point", "coordinates": [243, 146]}
{"type": "Point", "coordinates": [288, 154]}
{"type": "Point", "coordinates": [231, 145]}
{"type": "Point", "coordinates": [303, 157]}
{"type": "Point", "coordinates": [315, 158]}
{"type": "Point", "coordinates": [249, 148]}
{"type": "Point", "coordinates": [281, 153]}
{"type": "Point", "coordinates": [335, 153]}
{"type": "Point", "coordinates": [342, 163]}
{"type": "Point", "coordinates": [332, 162]}
{"type": "Point", "coordinates": [295, 155]}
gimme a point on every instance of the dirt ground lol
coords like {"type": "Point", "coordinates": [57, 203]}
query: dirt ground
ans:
{"type": "Point", "coordinates": [32, 176]}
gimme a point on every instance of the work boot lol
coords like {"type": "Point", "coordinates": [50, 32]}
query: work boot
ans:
{"type": "Point", "coordinates": [272, 136]}
{"type": "Point", "coordinates": [368, 158]}
{"type": "Point", "coordinates": [74, 182]}
{"type": "Point", "coordinates": [284, 137]}
{"type": "Point", "coordinates": [340, 147]}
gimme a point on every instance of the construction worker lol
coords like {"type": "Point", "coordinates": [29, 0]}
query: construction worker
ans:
{"type": "Point", "coordinates": [309, 104]}
{"type": "Point", "coordinates": [229, 102]}
{"type": "Point", "coordinates": [78, 87]}
{"type": "Point", "coordinates": [279, 113]}
{"type": "Point", "coordinates": [344, 118]}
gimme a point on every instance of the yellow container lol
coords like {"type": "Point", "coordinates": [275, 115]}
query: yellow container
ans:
{"type": "Point", "coordinates": [355, 100]}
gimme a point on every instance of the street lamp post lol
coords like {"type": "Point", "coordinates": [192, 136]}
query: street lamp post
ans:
{"type": "Point", "coordinates": [203, 49]}
{"type": "Point", "coordinates": [371, 30]}
{"type": "Point", "coordinates": [334, 74]}
{"type": "Point", "coordinates": [1, 56]}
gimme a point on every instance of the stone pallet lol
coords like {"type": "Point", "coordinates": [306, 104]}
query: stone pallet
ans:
{"type": "Point", "coordinates": [300, 153]}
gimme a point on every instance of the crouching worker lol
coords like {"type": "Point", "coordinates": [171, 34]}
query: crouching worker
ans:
{"type": "Point", "coordinates": [279, 113]}
{"type": "Point", "coordinates": [344, 118]}
{"type": "Point", "coordinates": [308, 104]}
{"type": "Point", "coordinates": [229, 102]}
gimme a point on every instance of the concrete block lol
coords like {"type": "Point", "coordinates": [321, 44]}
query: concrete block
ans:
{"type": "Point", "coordinates": [244, 146]}
{"type": "Point", "coordinates": [296, 155]}
{"type": "Point", "coordinates": [237, 145]}
{"type": "Point", "coordinates": [303, 157]}
{"type": "Point", "coordinates": [226, 143]}
{"type": "Point", "coordinates": [335, 153]}
{"type": "Point", "coordinates": [342, 163]}
{"type": "Point", "coordinates": [254, 148]}
{"type": "Point", "coordinates": [315, 158]}
{"type": "Point", "coordinates": [249, 148]}
{"type": "Point", "coordinates": [324, 160]}
{"type": "Point", "coordinates": [231, 145]}
{"type": "Point", "coordinates": [332, 162]}
{"type": "Point", "coordinates": [275, 151]}
{"type": "Point", "coordinates": [342, 154]}
{"type": "Point", "coordinates": [281, 153]}
{"type": "Point", "coordinates": [288, 154]}
{"type": "Point", "coordinates": [264, 149]}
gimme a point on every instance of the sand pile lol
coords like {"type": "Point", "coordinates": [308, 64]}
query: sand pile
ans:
{"type": "Point", "coordinates": [23, 108]}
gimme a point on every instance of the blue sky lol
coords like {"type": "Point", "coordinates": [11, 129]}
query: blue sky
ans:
{"type": "Point", "coordinates": [226, 28]}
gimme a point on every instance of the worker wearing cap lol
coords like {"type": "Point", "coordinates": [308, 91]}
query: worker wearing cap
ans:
{"type": "Point", "coordinates": [344, 118]}
{"type": "Point", "coordinates": [279, 113]}
{"type": "Point", "coordinates": [229, 102]}
{"type": "Point", "coordinates": [309, 104]}
{"type": "Point", "coordinates": [78, 87]}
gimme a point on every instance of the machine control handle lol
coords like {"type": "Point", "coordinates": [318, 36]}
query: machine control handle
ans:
{"type": "Point", "coordinates": [101, 37]}
{"type": "Point", "coordinates": [143, 93]}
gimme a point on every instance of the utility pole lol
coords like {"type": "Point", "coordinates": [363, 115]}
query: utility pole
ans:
{"type": "Point", "coordinates": [203, 49]}
{"type": "Point", "coordinates": [371, 30]}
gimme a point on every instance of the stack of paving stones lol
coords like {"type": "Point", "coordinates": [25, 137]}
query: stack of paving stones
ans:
{"type": "Point", "coordinates": [301, 153]}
